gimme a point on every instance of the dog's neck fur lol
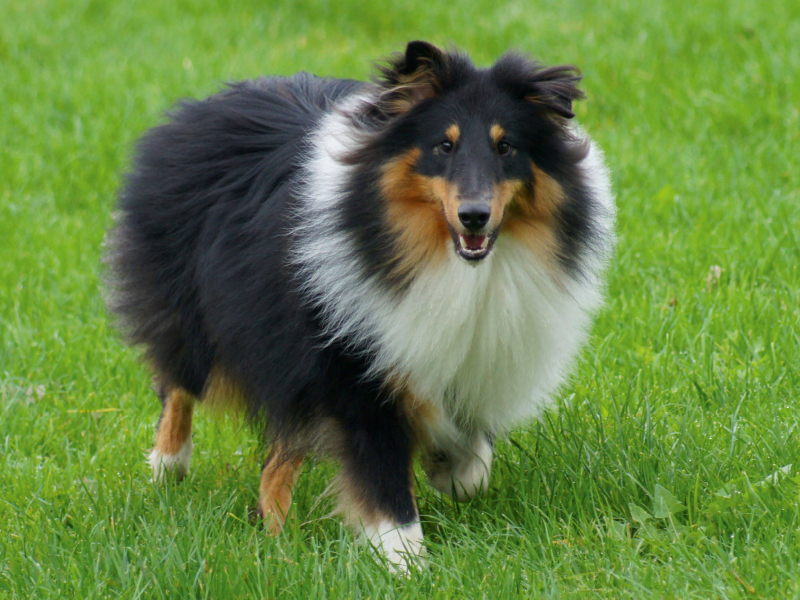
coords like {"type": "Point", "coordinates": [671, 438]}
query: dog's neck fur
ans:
{"type": "Point", "coordinates": [488, 344]}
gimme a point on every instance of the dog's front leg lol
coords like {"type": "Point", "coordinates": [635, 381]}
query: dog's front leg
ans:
{"type": "Point", "coordinates": [377, 482]}
{"type": "Point", "coordinates": [461, 472]}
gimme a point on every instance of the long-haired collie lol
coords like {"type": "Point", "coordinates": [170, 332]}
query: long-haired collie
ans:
{"type": "Point", "coordinates": [372, 271]}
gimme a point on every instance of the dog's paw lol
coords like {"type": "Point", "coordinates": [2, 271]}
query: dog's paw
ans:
{"type": "Point", "coordinates": [400, 545]}
{"type": "Point", "coordinates": [462, 477]}
{"type": "Point", "coordinates": [176, 464]}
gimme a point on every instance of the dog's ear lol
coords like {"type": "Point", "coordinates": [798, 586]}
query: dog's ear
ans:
{"type": "Point", "coordinates": [553, 88]}
{"type": "Point", "coordinates": [556, 88]}
{"type": "Point", "coordinates": [411, 77]}
{"type": "Point", "coordinates": [422, 56]}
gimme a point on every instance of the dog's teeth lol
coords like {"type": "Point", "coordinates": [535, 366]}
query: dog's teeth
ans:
{"type": "Point", "coordinates": [472, 251]}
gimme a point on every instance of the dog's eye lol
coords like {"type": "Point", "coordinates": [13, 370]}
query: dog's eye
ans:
{"type": "Point", "coordinates": [504, 148]}
{"type": "Point", "coordinates": [446, 146]}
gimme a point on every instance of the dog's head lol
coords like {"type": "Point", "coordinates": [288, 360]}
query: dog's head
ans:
{"type": "Point", "coordinates": [468, 153]}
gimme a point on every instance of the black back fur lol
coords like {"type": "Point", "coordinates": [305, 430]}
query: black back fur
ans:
{"type": "Point", "coordinates": [198, 273]}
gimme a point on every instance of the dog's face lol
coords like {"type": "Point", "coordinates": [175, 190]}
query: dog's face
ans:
{"type": "Point", "coordinates": [473, 167]}
{"type": "Point", "coordinates": [473, 153]}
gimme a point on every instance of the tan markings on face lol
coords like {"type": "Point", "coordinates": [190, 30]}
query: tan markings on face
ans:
{"type": "Point", "coordinates": [453, 133]}
{"type": "Point", "coordinates": [414, 213]}
{"type": "Point", "coordinates": [504, 193]}
{"type": "Point", "coordinates": [175, 426]}
{"type": "Point", "coordinates": [275, 492]}
{"type": "Point", "coordinates": [497, 133]}
{"type": "Point", "coordinates": [447, 194]}
{"type": "Point", "coordinates": [531, 217]}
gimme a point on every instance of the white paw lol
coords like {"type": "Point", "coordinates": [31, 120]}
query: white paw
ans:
{"type": "Point", "coordinates": [178, 463]}
{"type": "Point", "coordinates": [400, 545]}
{"type": "Point", "coordinates": [465, 477]}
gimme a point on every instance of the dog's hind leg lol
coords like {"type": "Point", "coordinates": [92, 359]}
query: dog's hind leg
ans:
{"type": "Point", "coordinates": [173, 449]}
{"type": "Point", "coordinates": [278, 479]}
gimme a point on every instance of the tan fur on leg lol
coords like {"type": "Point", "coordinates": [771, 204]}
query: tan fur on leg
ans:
{"type": "Point", "coordinates": [173, 449]}
{"type": "Point", "coordinates": [277, 484]}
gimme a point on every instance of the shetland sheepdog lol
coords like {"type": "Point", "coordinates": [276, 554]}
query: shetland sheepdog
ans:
{"type": "Point", "coordinates": [372, 271]}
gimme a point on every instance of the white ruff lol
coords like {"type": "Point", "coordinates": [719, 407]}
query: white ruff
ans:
{"type": "Point", "coordinates": [488, 343]}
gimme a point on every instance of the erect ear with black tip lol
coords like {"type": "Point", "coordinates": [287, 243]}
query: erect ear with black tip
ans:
{"type": "Point", "coordinates": [412, 77]}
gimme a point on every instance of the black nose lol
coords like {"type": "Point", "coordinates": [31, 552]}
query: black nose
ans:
{"type": "Point", "coordinates": [474, 216]}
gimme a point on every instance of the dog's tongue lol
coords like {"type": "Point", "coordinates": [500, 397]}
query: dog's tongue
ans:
{"type": "Point", "coordinates": [473, 242]}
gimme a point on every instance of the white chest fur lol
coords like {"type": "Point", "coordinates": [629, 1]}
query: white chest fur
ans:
{"type": "Point", "coordinates": [489, 344]}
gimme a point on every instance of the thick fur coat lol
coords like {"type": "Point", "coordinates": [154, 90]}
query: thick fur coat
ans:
{"type": "Point", "coordinates": [374, 271]}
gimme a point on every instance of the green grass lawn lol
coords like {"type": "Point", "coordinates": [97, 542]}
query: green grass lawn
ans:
{"type": "Point", "coordinates": [654, 478]}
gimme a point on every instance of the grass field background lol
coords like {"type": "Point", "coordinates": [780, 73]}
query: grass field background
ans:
{"type": "Point", "coordinates": [672, 467]}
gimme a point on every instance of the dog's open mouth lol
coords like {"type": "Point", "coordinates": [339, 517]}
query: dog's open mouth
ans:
{"type": "Point", "coordinates": [473, 247]}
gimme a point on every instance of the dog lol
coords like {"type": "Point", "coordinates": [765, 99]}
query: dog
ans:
{"type": "Point", "coordinates": [372, 271]}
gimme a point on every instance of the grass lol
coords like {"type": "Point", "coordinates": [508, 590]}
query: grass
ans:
{"type": "Point", "coordinates": [653, 480]}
